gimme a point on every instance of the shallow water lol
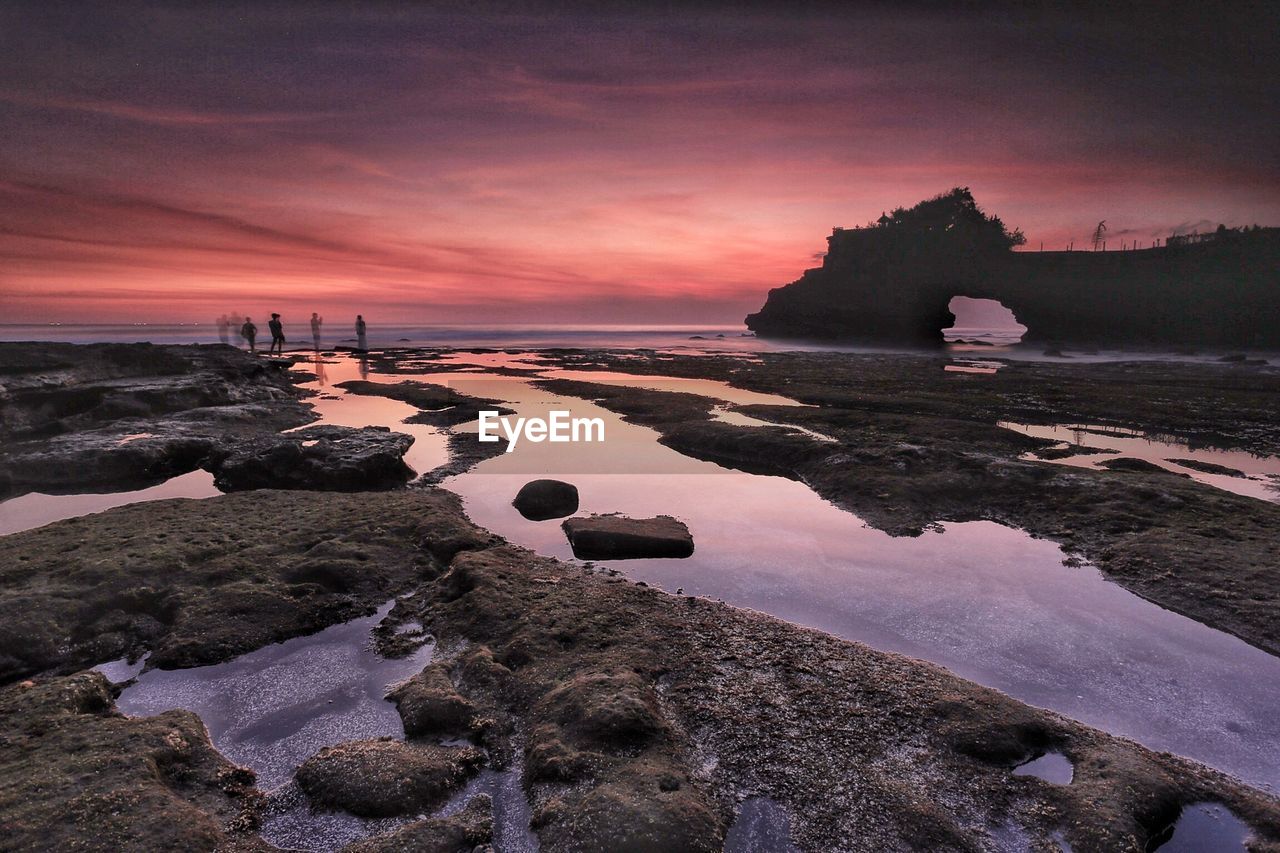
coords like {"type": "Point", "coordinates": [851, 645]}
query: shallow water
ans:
{"type": "Point", "coordinates": [713, 388]}
{"type": "Point", "coordinates": [1052, 767]}
{"type": "Point", "coordinates": [335, 407]}
{"type": "Point", "coordinates": [1204, 827]}
{"type": "Point", "coordinates": [511, 812]}
{"type": "Point", "coordinates": [122, 670]}
{"type": "Point", "coordinates": [272, 708]}
{"type": "Point", "coordinates": [36, 509]}
{"type": "Point", "coordinates": [1262, 473]}
{"type": "Point", "coordinates": [761, 826]}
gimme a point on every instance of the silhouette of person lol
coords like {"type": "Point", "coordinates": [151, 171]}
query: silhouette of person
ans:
{"type": "Point", "coordinates": [362, 342]}
{"type": "Point", "coordinates": [316, 320]}
{"type": "Point", "coordinates": [249, 332]}
{"type": "Point", "coordinates": [224, 325]}
{"type": "Point", "coordinates": [277, 335]}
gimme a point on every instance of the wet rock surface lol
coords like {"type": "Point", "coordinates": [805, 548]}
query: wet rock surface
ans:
{"type": "Point", "coordinates": [1207, 467]}
{"type": "Point", "coordinates": [320, 458]}
{"type": "Point", "coordinates": [75, 774]}
{"type": "Point", "coordinates": [649, 716]}
{"type": "Point", "coordinates": [382, 778]}
{"type": "Point", "coordinates": [199, 582]}
{"type": "Point", "coordinates": [541, 500]}
{"type": "Point", "coordinates": [105, 417]}
{"type": "Point", "coordinates": [642, 718]}
{"type": "Point", "coordinates": [616, 537]}
{"type": "Point", "coordinates": [429, 705]}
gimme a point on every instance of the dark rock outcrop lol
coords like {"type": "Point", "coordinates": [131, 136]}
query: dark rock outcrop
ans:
{"type": "Point", "coordinates": [198, 582]}
{"type": "Point", "coordinates": [893, 284]}
{"type": "Point", "coordinates": [323, 458]}
{"type": "Point", "coordinates": [100, 461]}
{"type": "Point", "coordinates": [78, 775]}
{"type": "Point", "coordinates": [616, 537]}
{"type": "Point", "coordinates": [1140, 466]}
{"type": "Point", "coordinates": [113, 417]}
{"type": "Point", "coordinates": [540, 500]}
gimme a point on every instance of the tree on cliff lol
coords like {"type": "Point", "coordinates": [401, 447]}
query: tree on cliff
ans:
{"type": "Point", "coordinates": [953, 219]}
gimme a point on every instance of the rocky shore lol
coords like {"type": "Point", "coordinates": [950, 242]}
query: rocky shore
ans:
{"type": "Point", "coordinates": [637, 719]}
{"type": "Point", "coordinates": [641, 717]}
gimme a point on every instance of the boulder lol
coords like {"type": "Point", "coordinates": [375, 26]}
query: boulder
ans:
{"type": "Point", "coordinates": [323, 458]}
{"type": "Point", "coordinates": [616, 537]}
{"type": "Point", "coordinates": [539, 500]}
{"type": "Point", "coordinates": [429, 704]}
{"type": "Point", "coordinates": [383, 778]}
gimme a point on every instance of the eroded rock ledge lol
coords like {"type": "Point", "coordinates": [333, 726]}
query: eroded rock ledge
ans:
{"type": "Point", "coordinates": [111, 417]}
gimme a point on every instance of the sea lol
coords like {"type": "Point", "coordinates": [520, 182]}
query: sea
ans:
{"type": "Point", "coordinates": [729, 338]}
{"type": "Point", "coordinates": [991, 339]}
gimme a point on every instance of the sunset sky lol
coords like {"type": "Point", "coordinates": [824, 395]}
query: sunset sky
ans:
{"type": "Point", "coordinates": [491, 163]}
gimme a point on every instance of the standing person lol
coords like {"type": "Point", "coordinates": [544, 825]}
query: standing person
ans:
{"type": "Point", "coordinates": [224, 325]}
{"type": "Point", "coordinates": [362, 342]}
{"type": "Point", "coordinates": [316, 320]}
{"type": "Point", "coordinates": [249, 332]}
{"type": "Point", "coordinates": [277, 335]}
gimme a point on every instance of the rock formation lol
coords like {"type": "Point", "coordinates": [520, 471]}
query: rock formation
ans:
{"type": "Point", "coordinates": [540, 500]}
{"type": "Point", "coordinates": [892, 281]}
{"type": "Point", "coordinates": [616, 537]}
{"type": "Point", "coordinates": [322, 458]}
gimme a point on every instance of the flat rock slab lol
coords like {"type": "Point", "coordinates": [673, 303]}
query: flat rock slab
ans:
{"type": "Point", "coordinates": [616, 537]}
{"type": "Point", "coordinates": [322, 458]}
{"type": "Point", "coordinates": [539, 500]}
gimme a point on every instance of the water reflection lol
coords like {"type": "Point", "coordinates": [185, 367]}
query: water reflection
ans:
{"type": "Point", "coordinates": [430, 448]}
{"type": "Point", "coordinates": [762, 826]}
{"type": "Point", "coordinates": [1053, 767]}
{"type": "Point", "coordinates": [1203, 827]}
{"type": "Point", "coordinates": [36, 509]}
{"type": "Point", "coordinates": [1259, 476]}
